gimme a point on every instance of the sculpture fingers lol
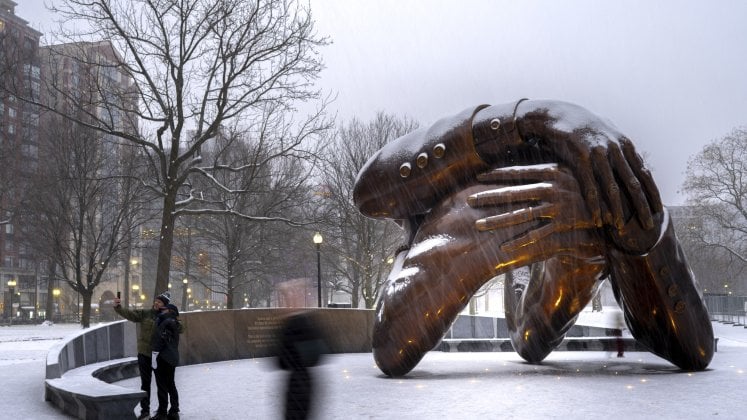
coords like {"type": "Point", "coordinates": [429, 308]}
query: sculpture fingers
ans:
{"type": "Point", "coordinates": [643, 175]}
{"type": "Point", "coordinates": [580, 157]}
{"type": "Point", "coordinates": [520, 174]}
{"type": "Point", "coordinates": [510, 195]}
{"type": "Point", "coordinates": [552, 239]}
{"type": "Point", "coordinates": [638, 200]}
{"type": "Point", "coordinates": [612, 211]}
{"type": "Point", "coordinates": [531, 237]}
{"type": "Point", "coordinates": [516, 217]}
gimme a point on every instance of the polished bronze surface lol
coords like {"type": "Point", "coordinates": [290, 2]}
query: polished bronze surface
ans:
{"type": "Point", "coordinates": [597, 212]}
{"type": "Point", "coordinates": [449, 260]}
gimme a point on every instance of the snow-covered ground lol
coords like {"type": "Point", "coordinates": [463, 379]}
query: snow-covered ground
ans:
{"type": "Point", "coordinates": [443, 385]}
{"type": "Point", "coordinates": [23, 354]}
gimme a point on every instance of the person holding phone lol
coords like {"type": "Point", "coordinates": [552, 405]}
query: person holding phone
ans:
{"type": "Point", "coordinates": [146, 318]}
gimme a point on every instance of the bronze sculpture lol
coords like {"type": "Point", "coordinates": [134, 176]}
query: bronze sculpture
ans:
{"type": "Point", "coordinates": [533, 182]}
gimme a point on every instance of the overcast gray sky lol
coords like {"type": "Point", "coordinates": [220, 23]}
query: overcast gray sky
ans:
{"type": "Point", "coordinates": [672, 74]}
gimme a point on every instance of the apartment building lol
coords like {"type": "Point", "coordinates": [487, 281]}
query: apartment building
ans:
{"type": "Point", "coordinates": [20, 72]}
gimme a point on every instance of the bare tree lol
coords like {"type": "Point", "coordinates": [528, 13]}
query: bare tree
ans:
{"type": "Point", "coordinates": [244, 251]}
{"type": "Point", "coordinates": [716, 269]}
{"type": "Point", "coordinates": [198, 67]}
{"type": "Point", "coordinates": [716, 187]}
{"type": "Point", "coordinates": [361, 247]}
{"type": "Point", "coordinates": [82, 207]}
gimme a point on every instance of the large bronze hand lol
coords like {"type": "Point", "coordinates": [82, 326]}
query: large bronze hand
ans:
{"type": "Point", "coordinates": [544, 192]}
{"type": "Point", "coordinates": [449, 260]}
{"type": "Point", "coordinates": [561, 286]}
{"type": "Point", "coordinates": [611, 174]}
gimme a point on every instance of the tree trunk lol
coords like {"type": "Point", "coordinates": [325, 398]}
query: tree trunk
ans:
{"type": "Point", "coordinates": [128, 258]}
{"type": "Point", "coordinates": [165, 245]}
{"type": "Point", "coordinates": [354, 295]}
{"type": "Point", "coordinates": [50, 291]}
{"type": "Point", "coordinates": [229, 290]}
{"type": "Point", "coordinates": [85, 318]}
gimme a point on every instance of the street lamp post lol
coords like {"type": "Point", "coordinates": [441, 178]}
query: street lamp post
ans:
{"type": "Point", "coordinates": [12, 290]}
{"type": "Point", "coordinates": [318, 241]}
{"type": "Point", "coordinates": [184, 294]}
{"type": "Point", "coordinates": [131, 269]}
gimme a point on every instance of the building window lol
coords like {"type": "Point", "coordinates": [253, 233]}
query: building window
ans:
{"type": "Point", "coordinates": [11, 129]}
{"type": "Point", "coordinates": [9, 229]}
{"type": "Point", "coordinates": [32, 71]}
{"type": "Point", "coordinates": [30, 151]}
{"type": "Point", "coordinates": [12, 112]}
{"type": "Point", "coordinates": [26, 264]}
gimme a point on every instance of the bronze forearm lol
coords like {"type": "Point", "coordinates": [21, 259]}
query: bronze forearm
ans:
{"type": "Point", "coordinates": [662, 304]}
{"type": "Point", "coordinates": [411, 174]}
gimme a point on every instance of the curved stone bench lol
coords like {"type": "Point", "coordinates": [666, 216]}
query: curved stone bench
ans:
{"type": "Point", "coordinates": [87, 393]}
{"type": "Point", "coordinates": [79, 371]}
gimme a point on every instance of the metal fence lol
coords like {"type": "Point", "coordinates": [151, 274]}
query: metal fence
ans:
{"type": "Point", "coordinates": [727, 309]}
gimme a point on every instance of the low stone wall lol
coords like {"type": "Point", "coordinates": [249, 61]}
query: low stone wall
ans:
{"type": "Point", "coordinates": [212, 337]}
{"type": "Point", "coordinates": [474, 326]}
{"type": "Point", "coordinates": [247, 333]}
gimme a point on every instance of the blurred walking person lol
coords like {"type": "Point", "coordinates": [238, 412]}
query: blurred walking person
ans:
{"type": "Point", "coordinates": [620, 325]}
{"type": "Point", "coordinates": [301, 347]}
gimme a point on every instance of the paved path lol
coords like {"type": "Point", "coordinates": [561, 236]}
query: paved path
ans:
{"type": "Point", "coordinates": [443, 385]}
{"type": "Point", "coordinates": [483, 385]}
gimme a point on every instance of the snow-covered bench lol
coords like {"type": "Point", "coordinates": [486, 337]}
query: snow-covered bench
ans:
{"type": "Point", "coordinates": [82, 368]}
{"type": "Point", "coordinates": [86, 392]}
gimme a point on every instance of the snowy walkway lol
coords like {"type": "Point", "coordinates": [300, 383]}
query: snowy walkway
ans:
{"type": "Point", "coordinates": [443, 385]}
{"type": "Point", "coordinates": [483, 385]}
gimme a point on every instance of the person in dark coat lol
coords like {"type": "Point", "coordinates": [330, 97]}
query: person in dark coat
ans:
{"type": "Point", "coordinates": [146, 318]}
{"type": "Point", "coordinates": [301, 347]}
{"type": "Point", "coordinates": [165, 359]}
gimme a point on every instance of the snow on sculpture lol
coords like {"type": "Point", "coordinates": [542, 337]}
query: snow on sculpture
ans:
{"type": "Point", "coordinates": [540, 183]}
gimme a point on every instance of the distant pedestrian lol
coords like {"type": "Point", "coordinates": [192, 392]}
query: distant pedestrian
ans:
{"type": "Point", "coordinates": [146, 318]}
{"type": "Point", "coordinates": [618, 331]}
{"type": "Point", "coordinates": [165, 359]}
{"type": "Point", "coordinates": [301, 347]}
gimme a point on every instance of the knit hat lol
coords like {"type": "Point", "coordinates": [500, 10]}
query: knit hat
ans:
{"type": "Point", "coordinates": [164, 297]}
{"type": "Point", "coordinates": [172, 307]}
